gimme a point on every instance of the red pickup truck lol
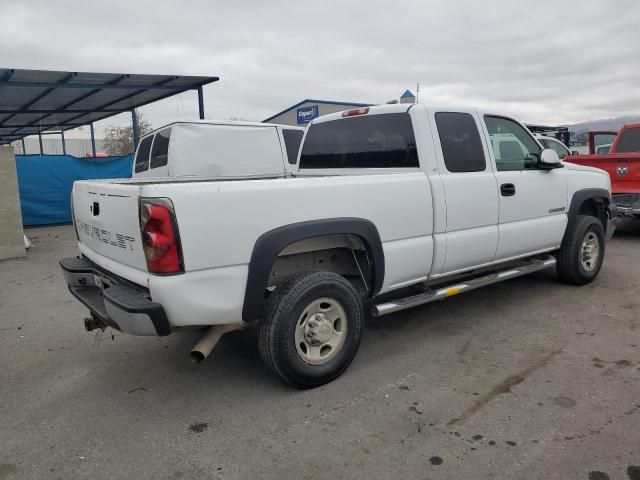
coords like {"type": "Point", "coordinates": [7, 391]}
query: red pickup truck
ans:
{"type": "Point", "coordinates": [622, 162]}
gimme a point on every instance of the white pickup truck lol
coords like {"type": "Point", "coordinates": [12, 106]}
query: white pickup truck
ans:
{"type": "Point", "coordinates": [393, 206]}
{"type": "Point", "coordinates": [217, 148]}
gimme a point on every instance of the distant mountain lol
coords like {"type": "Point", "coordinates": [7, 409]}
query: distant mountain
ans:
{"type": "Point", "coordinates": [613, 124]}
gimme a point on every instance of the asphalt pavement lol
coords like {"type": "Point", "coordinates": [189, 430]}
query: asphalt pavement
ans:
{"type": "Point", "coordinates": [527, 379]}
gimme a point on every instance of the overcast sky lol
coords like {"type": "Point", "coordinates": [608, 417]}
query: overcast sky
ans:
{"type": "Point", "coordinates": [542, 61]}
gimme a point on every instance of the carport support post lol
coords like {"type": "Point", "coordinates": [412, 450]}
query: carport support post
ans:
{"type": "Point", "coordinates": [24, 148]}
{"type": "Point", "coordinates": [40, 141]}
{"type": "Point", "coordinates": [200, 103]}
{"type": "Point", "coordinates": [64, 148]}
{"type": "Point", "coordinates": [93, 140]}
{"type": "Point", "coordinates": [136, 133]}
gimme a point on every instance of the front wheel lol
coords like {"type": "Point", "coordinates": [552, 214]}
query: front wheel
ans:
{"type": "Point", "coordinates": [310, 328]}
{"type": "Point", "coordinates": [582, 252]}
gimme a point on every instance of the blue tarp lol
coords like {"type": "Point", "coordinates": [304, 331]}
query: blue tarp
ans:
{"type": "Point", "coordinates": [45, 183]}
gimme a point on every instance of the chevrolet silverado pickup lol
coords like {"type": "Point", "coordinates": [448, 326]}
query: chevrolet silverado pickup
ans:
{"type": "Point", "coordinates": [621, 160]}
{"type": "Point", "coordinates": [392, 207]}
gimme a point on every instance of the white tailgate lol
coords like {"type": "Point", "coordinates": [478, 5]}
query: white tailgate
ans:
{"type": "Point", "coordinates": [110, 236]}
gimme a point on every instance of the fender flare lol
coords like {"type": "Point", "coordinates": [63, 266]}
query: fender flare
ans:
{"type": "Point", "coordinates": [581, 196]}
{"type": "Point", "coordinates": [271, 243]}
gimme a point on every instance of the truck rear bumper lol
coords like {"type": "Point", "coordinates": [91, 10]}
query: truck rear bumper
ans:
{"type": "Point", "coordinates": [627, 203]}
{"type": "Point", "coordinates": [114, 302]}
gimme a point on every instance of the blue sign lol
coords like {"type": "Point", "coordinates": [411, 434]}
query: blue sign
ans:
{"type": "Point", "coordinates": [306, 114]}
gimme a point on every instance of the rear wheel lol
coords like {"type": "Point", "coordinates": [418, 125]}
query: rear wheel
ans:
{"type": "Point", "coordinates": [582, 252]}
{"type": "Point", "coordinates": [310, 328]}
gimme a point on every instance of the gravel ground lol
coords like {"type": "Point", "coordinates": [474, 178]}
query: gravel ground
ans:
{"type": "Point", "coordinates": [524, 379]}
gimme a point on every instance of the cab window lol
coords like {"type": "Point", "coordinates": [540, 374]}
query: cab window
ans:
{"type": "Point", "coordinates": [160, 148]}
{"type": "Point", "coordinates": [629, 141]}
{"type": "Point", "coordinates": [367, 141]}
{"type": "Point", "coordinates": [513, 147]}
{"type": "Point", "coordinates": [292, 140]}
{"type": "Point", "coordinates": [559, 148]}
{"type": "Point", "coordinates": [142, 157]}
{"type": "Point", "coordinates": [460, 140]}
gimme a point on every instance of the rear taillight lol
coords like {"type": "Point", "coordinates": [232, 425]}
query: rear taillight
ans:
{"type": "Point", "coordinates": [355, 111]}
{"type": "Point", "coordinates": [160, 236]}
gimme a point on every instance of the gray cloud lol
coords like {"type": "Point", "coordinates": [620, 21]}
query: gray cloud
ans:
{"type": "Point", "coordinates": [546, 61]}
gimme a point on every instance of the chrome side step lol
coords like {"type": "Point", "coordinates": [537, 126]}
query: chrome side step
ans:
{"type": "Point", "coordinates": [539, 263]}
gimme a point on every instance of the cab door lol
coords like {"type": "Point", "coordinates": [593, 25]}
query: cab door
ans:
{"type": "Point", "coordinates": [533, 200]}
{"type": "Point", "coordinates": [471, 195]}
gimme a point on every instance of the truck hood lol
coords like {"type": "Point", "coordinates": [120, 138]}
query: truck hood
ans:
{"type": "Point", "coordinates": [584, 168]}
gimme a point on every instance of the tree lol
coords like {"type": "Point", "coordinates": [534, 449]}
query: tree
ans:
{"type": "Point", "coordinates": [119, 140]}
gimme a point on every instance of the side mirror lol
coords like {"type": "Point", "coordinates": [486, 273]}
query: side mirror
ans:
{"type": "Point", "coordinates": [575, 152]}
{"type": "Point", "coordinates": [549, 159]}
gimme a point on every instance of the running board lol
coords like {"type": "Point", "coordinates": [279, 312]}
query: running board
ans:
{"type": "Point", "coordinates": [539, 263]}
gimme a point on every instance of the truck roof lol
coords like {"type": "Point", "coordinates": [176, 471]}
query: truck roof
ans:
{"type": "Point", "coordinates": [233, 123]}
{"type": "Point", "coordinates": [402, 108]}
{"type": "Point", "coordinates": [377, 109]}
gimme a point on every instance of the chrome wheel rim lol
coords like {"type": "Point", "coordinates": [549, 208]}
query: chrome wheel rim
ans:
{"type": "Point", "coordinates": [321, 331]}
{"type": "Point", "coordinates": [590, 251]}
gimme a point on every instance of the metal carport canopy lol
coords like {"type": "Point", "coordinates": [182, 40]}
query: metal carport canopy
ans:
{"type": "Point", "coordinates": [36, 101]}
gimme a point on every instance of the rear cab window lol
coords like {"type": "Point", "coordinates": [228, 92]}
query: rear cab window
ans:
{"type": "Point", "coordinates": [160, 148]}
{"type": "Point", "coordinates": [629, 141]}
{"type": "Point", "coordinates": [366, 141]}
{"type": "Point", "coordinates": [292, 139]}
{"type": "Point", "coordinates": [142, 155]}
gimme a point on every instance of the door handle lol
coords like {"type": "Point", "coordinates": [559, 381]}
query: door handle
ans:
{"type": "Point", "coordinates": [507, 189]}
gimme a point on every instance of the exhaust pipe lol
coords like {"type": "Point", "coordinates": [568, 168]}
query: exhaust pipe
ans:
{"type": "Point", "coordinates": [202, 349]}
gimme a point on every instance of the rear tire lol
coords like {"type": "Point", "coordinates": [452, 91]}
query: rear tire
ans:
{"type": "Point", "coordinates": [310, 328]}
{"type": "Point", "coordinates": [582, 253]}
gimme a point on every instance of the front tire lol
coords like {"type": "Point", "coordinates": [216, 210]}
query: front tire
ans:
{"type": "Point", "coordinates": [310, 328]}
{"type": "Point", "coordinates": [582, 253]}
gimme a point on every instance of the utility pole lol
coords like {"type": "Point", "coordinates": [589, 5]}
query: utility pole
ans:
{"type": "Point", "coordinates": [417, 92]}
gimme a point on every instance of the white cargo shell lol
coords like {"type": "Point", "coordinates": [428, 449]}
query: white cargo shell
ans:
{"type": "Point", "coordinates": [222, 149]}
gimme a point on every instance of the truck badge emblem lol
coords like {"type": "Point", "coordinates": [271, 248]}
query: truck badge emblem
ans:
{"type": "Point", "coordinates": [622, 171]}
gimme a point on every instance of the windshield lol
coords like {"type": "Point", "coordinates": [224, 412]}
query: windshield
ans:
{"type": "Point", "coordinates": [555, 145]}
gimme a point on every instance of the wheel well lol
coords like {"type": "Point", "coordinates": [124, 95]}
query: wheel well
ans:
{"type": "Point", "coordinates": [595, 207]}
{"type": "Point", "coordinates": [358, 236]}
{"type": "Point", "coordinates": [345, 254]}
